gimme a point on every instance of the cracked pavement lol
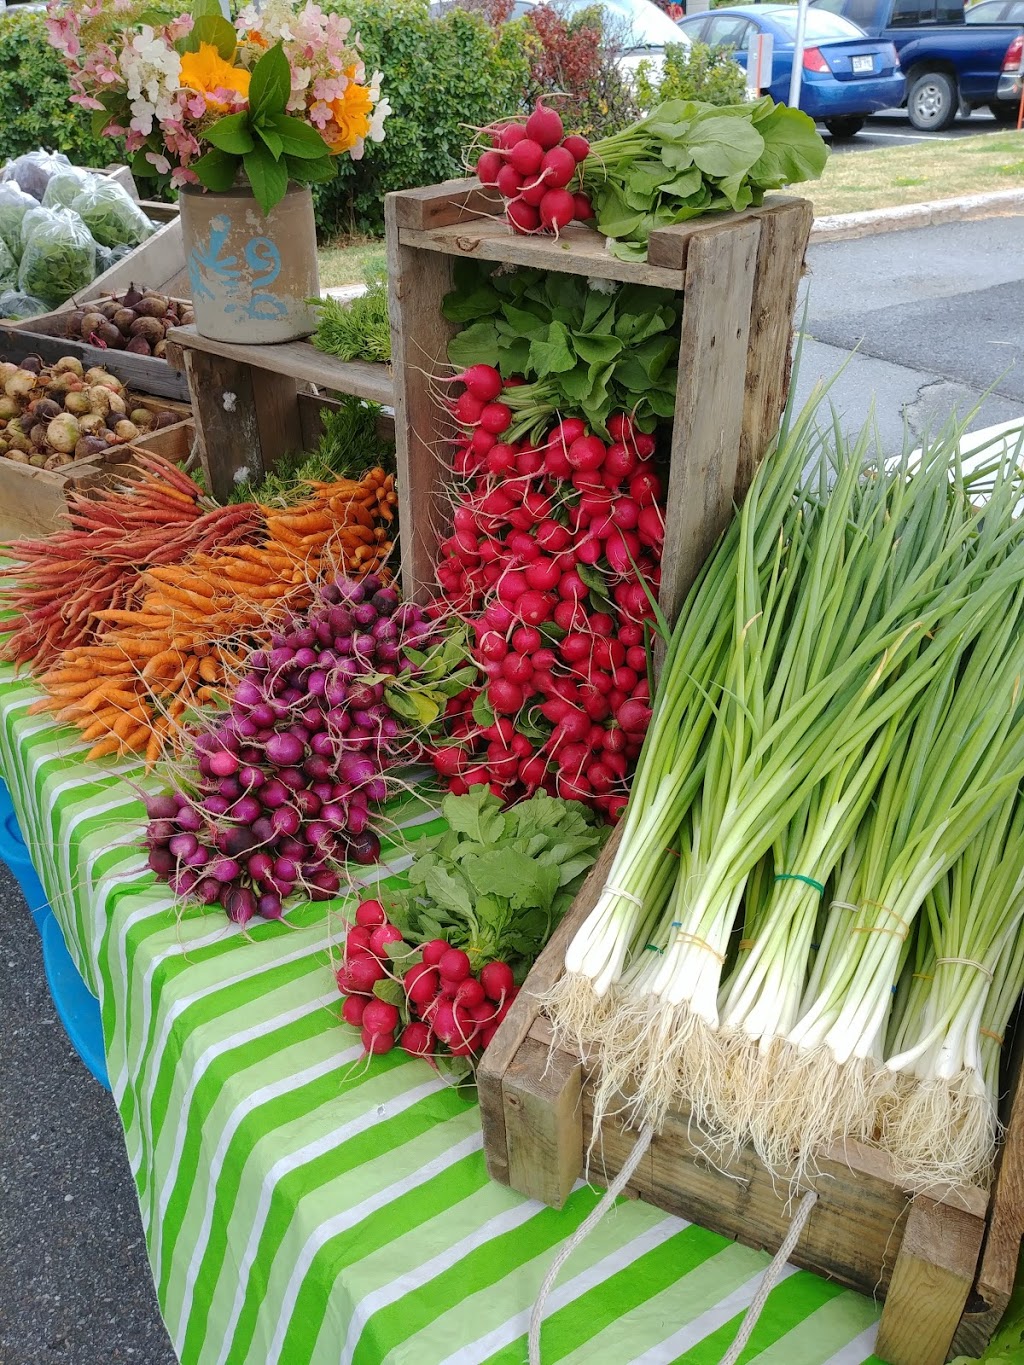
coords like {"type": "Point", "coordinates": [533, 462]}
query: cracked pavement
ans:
{"type": "Point", "coordinates": [928, 322]}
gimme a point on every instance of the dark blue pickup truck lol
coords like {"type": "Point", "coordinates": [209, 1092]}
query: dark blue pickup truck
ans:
{"type": "Point", "coordinates": [947, 62]}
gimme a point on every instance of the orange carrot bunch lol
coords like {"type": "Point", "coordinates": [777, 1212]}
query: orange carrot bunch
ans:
{"type": "Point", "coordinates": [183, 636]}
{"type": "Point", "coordinates": [63, 580]}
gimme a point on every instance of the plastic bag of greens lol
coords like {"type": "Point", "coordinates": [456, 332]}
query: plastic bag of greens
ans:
{"type": "Point", "coordinates": [14, 304]}
{"type": "Point", "coordinates": [111, 214]}
{"type": "Point", "coordinates": [64, 185]}
{"type": "Point", "coordinates": [106, 256]}
{"type": "Point", "coordinates": [14, 204]}
{"type": "Point", "coordinates": [32, 219]}
{"type": "Point", "coordinates": [58, 258]}
{"type": "Point", "coordinates": [8, 267]}
{"type": "Point", "coordinates": [32, 171]}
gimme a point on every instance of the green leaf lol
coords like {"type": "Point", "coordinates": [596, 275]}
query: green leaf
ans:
{"type": "Point", "coordinates": [477, 814]}
{"type": "Point", "coordinates": [471, 305]}
{"type": "Point", "coordinates": [552, 355]}
{"type": "Point", "coordinates": [389, 990]}
{"type": "Point", "coordinates": [268, 177]}
{"type": "Point", "coordinates": [271, 84]}
{"type": "Point", "coordinates": [482, 713]}
{"type": "Point", "coordinates": [297, 139]}
{"type": "Point", "coordinates": [525, 323]}
{"type": "Point", "coordinates": [477, 344]}
{"type": "Point", "coordinates": [311, 172]}
{"type": "Point", "coordinates": [231, 134]}
{"type": "Point", "coordinates": [200, 9]}
{"type": "Point", "coordinates": [215, 30]}
{"type": "Point", "coordinates": [793, 149]}
{"type": "Point", "coordinates": [725, 146]}
{"type": "Point", "coordinates": [596, 348]}
{"type": "Point", "coordinates": [401, 952]}
{"type": "Point", "coordinates": [448, 891]}
{"type": "Point", "coordinates": [593, 577]}
{"type": "Point", "coordinates": [401, 703]}
{"type": "Point", "coordinates": [270, 140]}
{"type": "Point", "coordinates": [216, 170]}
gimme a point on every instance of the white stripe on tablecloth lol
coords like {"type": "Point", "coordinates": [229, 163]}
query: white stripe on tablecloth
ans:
{"type": "Point", "coordinates": [518, 1325]}
{"type": "Point", "coordinates": [444, 1260]}
{"type": "Point", "coordinates": [119, 972]}
{"type": "Point", "coordinates": [199, 1070]}
{"type": "Point", "coordinates": [338, 1224]}
{"type": "Point", "coordinates": [692, 1333]}
{"type": "Point", "coordinates": [326, 1143]}
{"type": "Point", "coordinates": [215, 988]}
{"type": "Point", "coordinates": [855, 1352]}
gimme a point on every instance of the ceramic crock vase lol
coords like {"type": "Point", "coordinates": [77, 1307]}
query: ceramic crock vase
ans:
{"type": "Point", "coordinates": [251, 275]}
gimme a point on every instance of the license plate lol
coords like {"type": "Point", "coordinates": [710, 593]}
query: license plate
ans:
{"type": "Point", "coordinates": [863, 64]}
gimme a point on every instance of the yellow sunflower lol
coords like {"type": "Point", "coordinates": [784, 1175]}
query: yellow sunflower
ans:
{"type": "Point", "coordinates": [351, 115]}
{"type": "Point", "coordinates": [211, 76]}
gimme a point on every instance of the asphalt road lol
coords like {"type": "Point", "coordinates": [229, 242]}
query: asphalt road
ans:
{"type": "Point", "coordinates": [894, 130]}
{"type": "Point", "coordinates": [75, 1287]}
{"type": "Point", "coordinates": [938, 316]}
{"type": "Point", "coordinates": [928, 323]}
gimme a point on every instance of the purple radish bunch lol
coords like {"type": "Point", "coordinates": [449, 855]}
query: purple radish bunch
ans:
{"type": "Point", "coordinates": [285, 783]}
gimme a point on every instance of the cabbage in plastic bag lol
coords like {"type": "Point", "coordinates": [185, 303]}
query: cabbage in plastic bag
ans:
{"type": "Point", "coordinates": [14, 304]}
{"type": "Point", "coordinates": [8, 267]}
{"type": "Point", "coordinates": [111, 214]}
{"type": "Point", "coordinates": [64, 185]}
{"type": "Point", "coordinates": [14, 204]}
{"type": "Point", "coordinates": [33, 170]}
{"type": "Point", "coordinates": [58, 258]}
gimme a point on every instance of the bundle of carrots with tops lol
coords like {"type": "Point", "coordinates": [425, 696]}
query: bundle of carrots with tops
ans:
{"type": "Point", "coordinates": [148, 606]}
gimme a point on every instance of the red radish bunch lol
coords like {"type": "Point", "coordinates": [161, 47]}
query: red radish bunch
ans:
{"type": "Point", "coordinates": [532, 165]}
{"type": "Point", "coordinates": [551, 548]}
{"type": "Point", "coordinates": [286, 780]}
{"type": "Point", "coordinates": [426, 999]}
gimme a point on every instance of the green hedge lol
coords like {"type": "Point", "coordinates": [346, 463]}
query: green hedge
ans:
{"type": "Point", "coordinates": [34, 98]}
{"type": "Point", "coordinates": [442, 77]}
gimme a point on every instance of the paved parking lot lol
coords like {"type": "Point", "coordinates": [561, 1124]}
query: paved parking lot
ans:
{"type": "Point", "coordinates": [894, 130]}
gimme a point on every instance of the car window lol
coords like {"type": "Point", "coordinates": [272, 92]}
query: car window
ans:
{"type": "Point", "coordinates": [820, 25]}
{"type": "Point", "coordinates": [906, 13]}
{"type": "Point", "coordinates": [950, 12]}
{"type": "Point", "coordinates": [693, 27]}
{"type": "Point", "coordinates": [987, 13]}
{"type": "Point", "coordinates": [728, 30]}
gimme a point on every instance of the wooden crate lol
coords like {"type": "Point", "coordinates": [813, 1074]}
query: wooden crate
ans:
{"type": "Point", "coordinates": [144, 373]}
{"type": "Point", "coordinates": [944, 1261]}
{"type": "Point", "coordinates": [253, 404]}
{"type": "Point", "coordinates": [739, 275]}
{"type": "Point", "coordinates": [33, 501]}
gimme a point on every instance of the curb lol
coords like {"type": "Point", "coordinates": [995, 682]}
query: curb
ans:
{"type": "Point", "coordinates": [840, 227]}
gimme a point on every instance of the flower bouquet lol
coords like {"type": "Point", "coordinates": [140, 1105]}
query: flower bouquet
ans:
{"type": "Point", "coordinates": [273, 97]}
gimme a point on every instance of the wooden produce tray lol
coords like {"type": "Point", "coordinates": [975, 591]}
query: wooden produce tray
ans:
{"type": "Point", "coordinates": [253, 404]}
{"type": "Point", "coordinates": [944, 1261]}
{"type": "Point", "coordinates": [738, 273]}
{"type": "Point", "coordinates": [33, 501]}
{"type": "Point", "coordinates": [146, 373]}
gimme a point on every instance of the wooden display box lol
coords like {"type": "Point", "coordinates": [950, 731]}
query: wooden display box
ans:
{"type": "Point", "coordinates": [739, 275]}
{"type": "Point", "coordinates": [33, 501]}
{"type": "Point", "coordinates": [254, 404]}
{"type": "Point", "coordinates": [144, 373]}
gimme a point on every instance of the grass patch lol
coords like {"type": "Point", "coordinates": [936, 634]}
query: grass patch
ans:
{"type": "Point", "coordinates": [348, 259]}
{"type": "Point", "coordinates": [915, 174]}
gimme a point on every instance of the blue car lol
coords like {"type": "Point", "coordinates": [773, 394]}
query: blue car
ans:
{"type": "Point", "coordinates": [846, 75]}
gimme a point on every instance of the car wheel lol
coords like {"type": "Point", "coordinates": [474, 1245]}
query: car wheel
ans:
{"type": "Point", "coordinates": [932, 101]}
{"type": "Point", "coordinates": [842, 128]}
{"type": "Point", "coordinates": [1004, 111]}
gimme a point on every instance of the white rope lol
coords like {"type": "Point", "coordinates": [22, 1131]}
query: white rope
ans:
{"type": "Point", "coordinates": [770, 1278]}
{"type": "Point", "coordinates": [591, 1221]}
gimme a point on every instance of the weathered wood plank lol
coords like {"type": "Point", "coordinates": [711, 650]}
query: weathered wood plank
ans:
{"type": "Point", "coordinates": [417, 284]}
{"type": "Point", "coordinates": [226, 420]}
{"type": "Point", "coordinates": [930, 1283]}
{"type": "Point", "coordinates": [543, 1123]}
{"type": "Point", "coordinates": [454, 201]}
{"type": "Point", "coordinates": [785, 232]}
{"type": "Point", "coordinates": [669, 246]}
{"type": "Point", "coordinates": [575, 251]}
{"type": "Point", "coordinates": [709, 403]}
{"type": "Point", "coordinates": [505, 1045]}
{"type": "Point", "coordinates": [298, 360]}
{"type": "Point", "coordinates": [142, 373]}
{"type": "Point", "coordinates": [156, 263]}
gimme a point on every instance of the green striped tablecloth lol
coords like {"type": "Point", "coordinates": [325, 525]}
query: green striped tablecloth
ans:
{"type": "Point", "coordinates": [302, 1206]}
